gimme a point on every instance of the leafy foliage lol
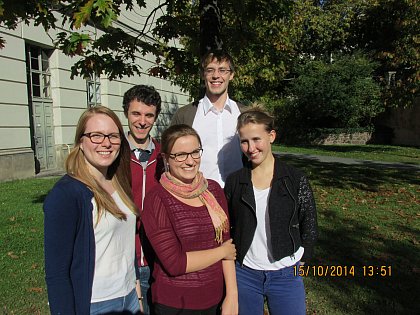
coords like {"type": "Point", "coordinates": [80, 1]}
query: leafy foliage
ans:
{"type": "Point", "coordinates": [390, 29]}
{"type": "Point", "coordinates": [112, 52]}
{"type": "Point", "coordinates": [268, 39]}
{"type": "Point", "coordinates": [340, 94]}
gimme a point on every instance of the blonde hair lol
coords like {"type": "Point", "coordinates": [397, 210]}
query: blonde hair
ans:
{"type": "Point", "coordinates": [256, 115]}
{"type": "Point", "coordinates": [119, 171]}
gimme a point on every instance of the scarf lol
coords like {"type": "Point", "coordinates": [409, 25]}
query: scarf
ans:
{"type": "Point", "coordinates": [199, 188]}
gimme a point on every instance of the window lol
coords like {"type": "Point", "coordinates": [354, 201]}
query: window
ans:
{"type": "Point", "coordinates": [390, 78]}
{"type": "Point", "coordinates": [93, 87]}
{"type": "Point", "coordinates": [39, 74]}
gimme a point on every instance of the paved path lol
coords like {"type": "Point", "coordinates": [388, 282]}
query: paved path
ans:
{"type": "Point", "coordinates": [347, 161]}
{"type": "Point", "coordinates": [318, 158]}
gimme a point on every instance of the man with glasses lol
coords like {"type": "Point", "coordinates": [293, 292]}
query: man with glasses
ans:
{"type": "Point", "coordinates": [142, 105]}
{"type": "Point", "coordinates": [214, 118]}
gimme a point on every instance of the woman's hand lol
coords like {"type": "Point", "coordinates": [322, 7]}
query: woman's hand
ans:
{"type": "Point", "coordinates": [229, 250]}
{"type": "Point", "coordinates": [230, 305]}
{"type": "Point", "coordinates": [140, 297]}
{"type": "Point", "coordinates": [200, 259]}
{"type": "Point", "coordinates": [141, 305]}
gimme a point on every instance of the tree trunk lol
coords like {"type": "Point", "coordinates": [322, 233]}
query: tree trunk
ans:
{"type": "Point", "coordinates": [210, 26]}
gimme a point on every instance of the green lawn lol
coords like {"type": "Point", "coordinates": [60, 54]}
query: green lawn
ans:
{"type": "Point", "coordinates": [21, 248]}
{"type": "Point", "coordinates": [367, 216]}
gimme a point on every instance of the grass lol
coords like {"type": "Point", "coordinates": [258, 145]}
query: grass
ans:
{"type": "Point", "coordinates": [367, 216]}
{"type": "Point", "coordinates": [21, 248]}
{"type": "Point", "coordinates": [386, 153]}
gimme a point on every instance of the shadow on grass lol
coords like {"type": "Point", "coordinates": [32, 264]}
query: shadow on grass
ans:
{"type": "Point", "coordinates": [347, 244]}
{"type": "Point", "coordinates": [40, 198]}
{"type": "Point", "coordinates": [390, 150]}
{"type": "Point", "coordinates": [366, 176]}
{"type": "Point", "coordinates": [352, 242]}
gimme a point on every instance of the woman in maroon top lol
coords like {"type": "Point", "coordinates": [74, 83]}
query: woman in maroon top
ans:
{"type": "Point", "coordinates": [186, 221]}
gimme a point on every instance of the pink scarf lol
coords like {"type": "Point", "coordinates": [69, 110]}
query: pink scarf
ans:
{"type": "Point", "coordinates": [198, 188]}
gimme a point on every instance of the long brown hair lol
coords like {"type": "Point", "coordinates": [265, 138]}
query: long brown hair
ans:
{"type": "Point", "coordinates": [118, 171]}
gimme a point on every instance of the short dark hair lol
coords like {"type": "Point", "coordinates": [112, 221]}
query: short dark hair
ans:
{"type": "Point", "coordinates": [219, 55]}
{"type": "Point", "coordinates": [142, 93]}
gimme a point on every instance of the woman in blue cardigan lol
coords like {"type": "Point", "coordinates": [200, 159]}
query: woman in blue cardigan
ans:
{"type": "Point", "coordinates": [273, 215]}
{"type": "Point", "coordinates": [90, 222]}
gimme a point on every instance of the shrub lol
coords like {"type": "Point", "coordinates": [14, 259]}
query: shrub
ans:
{"type": "Point", "coordinates": [340, 94]}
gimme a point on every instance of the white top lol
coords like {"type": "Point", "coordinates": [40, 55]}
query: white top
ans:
{"type": "Point", "coordinates": [114, 275]}
{"type": "Point", "coordinates": [221, 150]}
{"type": "Point", "coordinates": [259, 255]}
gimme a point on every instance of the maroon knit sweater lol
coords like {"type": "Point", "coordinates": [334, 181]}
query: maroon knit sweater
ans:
{"type": "Point", "coordinates": [173, 229]}
{"type": "Point", "coordinates": [144, 180]}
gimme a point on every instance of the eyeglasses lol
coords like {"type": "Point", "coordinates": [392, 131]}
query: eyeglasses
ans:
{"type": "Point", "coordinates": [221, 71]}
{"type": "Point", "coordinates": [98, 138]}
{"type": "Point", "coordinates": [181, 157]}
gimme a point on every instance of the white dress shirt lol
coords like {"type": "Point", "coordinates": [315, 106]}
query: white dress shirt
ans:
{"type": "Point", "coordinates": [217, 129]}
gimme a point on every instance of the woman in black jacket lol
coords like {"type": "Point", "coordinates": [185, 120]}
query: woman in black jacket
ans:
{"type": "Point", "coordinates": [274, 223]}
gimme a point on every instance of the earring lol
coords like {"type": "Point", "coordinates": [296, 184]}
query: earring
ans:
{"type": "Point", "coordinates": [166, 165]}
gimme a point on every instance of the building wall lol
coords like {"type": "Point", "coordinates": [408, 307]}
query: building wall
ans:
{"type": "Point", "coordinates": [400, 126]}
{"type": "Point", "coordinates": [16, 155]}
{"type": "Point", "coordinates": [69, 97]}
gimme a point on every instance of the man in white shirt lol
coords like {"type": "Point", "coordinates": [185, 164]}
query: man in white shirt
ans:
{"type": "Point", "coordinates": [214, 117]}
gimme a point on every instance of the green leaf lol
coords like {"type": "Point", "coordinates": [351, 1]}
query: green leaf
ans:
{"type": "Point", "coordinates": [1, 8]}
{"type": "Point", "coordinates": [82, 16]}
{"type": "Point", "coordinates": [105, 11]}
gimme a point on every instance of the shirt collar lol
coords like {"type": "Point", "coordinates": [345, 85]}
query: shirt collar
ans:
{"type": "Point", "coordinates": [208, 106]}
{"type": "Point", "coordinates": [150, 147]}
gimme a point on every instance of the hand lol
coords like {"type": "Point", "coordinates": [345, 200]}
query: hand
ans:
{"type": "Point", "coordinates": [138, 290]}
{"type": "Point", "coordinates": [229, 250]}
{"type": "Point", "coordinates": [230, 305]}
{"type": "Point", "coordinates": [141, 306]}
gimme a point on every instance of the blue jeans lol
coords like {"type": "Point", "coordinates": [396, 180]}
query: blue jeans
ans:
{"type": "Point", "coordinates": [127, 305]}
{"type": "Point", "coordinates": [145, 289]}
{"type": "Point", "coordinates": [284, 291]}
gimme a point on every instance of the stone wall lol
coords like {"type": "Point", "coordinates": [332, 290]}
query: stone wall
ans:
{"type": "Point", "coordinates": [359, 138]}
{"type": "Point", "coordinates": [16, 164]}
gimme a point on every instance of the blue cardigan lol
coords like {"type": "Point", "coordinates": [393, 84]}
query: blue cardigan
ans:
{"type": "Point", "coordinates": [69, 247]}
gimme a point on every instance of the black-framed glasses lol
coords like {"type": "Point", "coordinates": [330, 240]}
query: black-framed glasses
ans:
{"type": "Point", "coordinates": [98, 138]}
{"type": "Point", "coordinates": [221, 71]}
{"type": "Point", "coordinates": [182, 156]}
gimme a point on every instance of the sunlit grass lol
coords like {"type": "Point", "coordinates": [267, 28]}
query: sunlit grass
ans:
{"type": "Point", "coordinates": [21, 248]}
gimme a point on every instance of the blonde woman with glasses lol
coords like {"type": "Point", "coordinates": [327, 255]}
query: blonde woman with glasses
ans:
{"type": "Point", "coordinates": [90, 223]}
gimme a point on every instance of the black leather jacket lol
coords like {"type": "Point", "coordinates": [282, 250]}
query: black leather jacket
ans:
{"type": "Point", "coordinates": [292, 211]}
